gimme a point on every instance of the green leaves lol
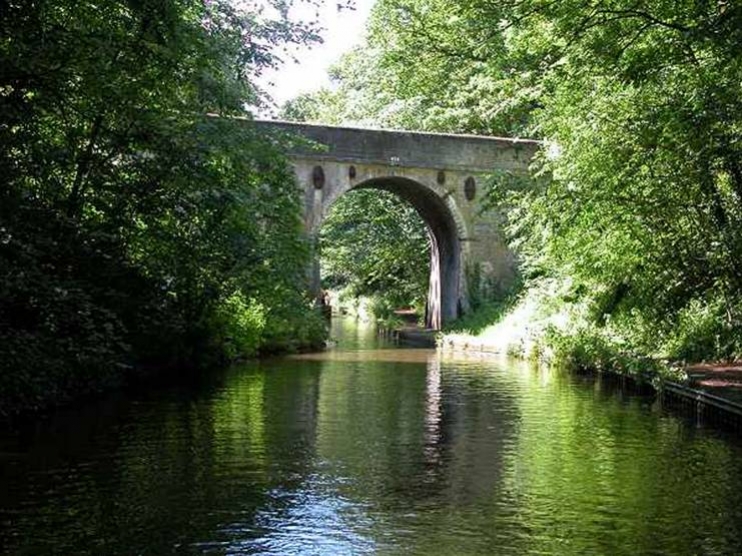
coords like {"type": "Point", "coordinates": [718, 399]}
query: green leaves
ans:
{"type": "Point", "coordinates": [638, 197]}
{"type": "Point", "coordinates": [374, 244]}
{"type": "Point", "coordinates": [108, 119]}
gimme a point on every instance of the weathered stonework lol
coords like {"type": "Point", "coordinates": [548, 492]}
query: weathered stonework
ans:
{"type": "Point", "coordinates": [430, 171]}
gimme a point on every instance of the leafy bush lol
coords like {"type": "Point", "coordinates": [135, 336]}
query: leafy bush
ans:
{"type": "Point", "coordinates": [636, 200]}
{"type": "Point", "coordinates": [587, 349]}
{"type": "Point", "coordinates": [294, 328]}
{"type": "Point", "coordinates": [704, 331]}
{"type": "Point", "coordinates": [63, 329]}
{"type": "Point", "coordinates": [238, 324]}
{"type": "Point", "coordinates": [373, 244]}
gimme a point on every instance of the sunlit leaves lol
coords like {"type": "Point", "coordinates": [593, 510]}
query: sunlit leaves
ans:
{"type": "Point", "coordinates": [375, 244]}
{"type": "Point", "coordinates": [642, 101]}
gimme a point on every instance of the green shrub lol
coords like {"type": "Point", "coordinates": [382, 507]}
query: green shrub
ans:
{"type": "Point", "coordinates": [238, 325]}
{"type": "Point", "coordinates": [704, 331]}
{"type": "Point", "coordinates": [292, 323]}
{"type": "Point", "coordinates": [591, 349]}
{"type": "Point", "coordinates": [382, 308]}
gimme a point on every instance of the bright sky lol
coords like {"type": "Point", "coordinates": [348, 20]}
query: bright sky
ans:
{"type": "Point", "coordinates": [343, 30]}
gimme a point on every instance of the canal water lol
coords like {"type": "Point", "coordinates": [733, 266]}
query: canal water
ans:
{"type": "Point", "coordinates": [372, 449]}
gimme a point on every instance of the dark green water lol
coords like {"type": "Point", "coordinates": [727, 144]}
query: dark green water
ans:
{"type": "Point", "coordinates": [386, 451]}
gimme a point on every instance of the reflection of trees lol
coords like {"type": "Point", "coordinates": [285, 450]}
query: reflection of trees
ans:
{"type": "Point", "coordinates": [371, 423]}
{"type": "Point", "coordinates": [479, 420]}
{"type": "Point", "coordinates": [593, 472]}
{"type": "Point", "coordinates": [419, 443]}
{"type": "Point", "coordinates": [537, 462]}
{"type": "Point", "coordinates": [438, 456]}
{"type": "Point", "coordinates": [190, 467]}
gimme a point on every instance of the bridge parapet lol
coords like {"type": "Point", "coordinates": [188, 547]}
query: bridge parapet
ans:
{"type": "Point", "coordinates": [472, 153]}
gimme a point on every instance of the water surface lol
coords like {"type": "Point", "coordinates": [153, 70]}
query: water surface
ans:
{"type": "Point", "coordinates": [372, 449]}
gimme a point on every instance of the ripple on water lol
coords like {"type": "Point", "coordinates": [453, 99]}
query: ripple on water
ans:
{"type": "Point", "coordinates": [387, 451]}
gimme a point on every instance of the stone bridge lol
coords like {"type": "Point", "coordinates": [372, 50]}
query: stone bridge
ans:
{"type": "Point", "coordinates": [441, 175]}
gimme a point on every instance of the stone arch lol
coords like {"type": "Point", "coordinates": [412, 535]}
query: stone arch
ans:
{"type": "Point", "coordinates": [440, 217]}
{"type": "Point", "coordinates": [330, 160]}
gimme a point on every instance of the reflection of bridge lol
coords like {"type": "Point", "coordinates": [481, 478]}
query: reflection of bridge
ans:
{"type": "Point", "coordinates": [440, 175]}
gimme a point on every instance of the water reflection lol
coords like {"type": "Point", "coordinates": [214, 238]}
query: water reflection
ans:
{"type": "Point", "coordinates": [433, 411]}
{"type": "Point", "coordinates": [381, 451]}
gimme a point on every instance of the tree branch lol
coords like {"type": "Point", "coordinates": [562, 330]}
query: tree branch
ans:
{"type": "Point", "coordinates": [84, 162]}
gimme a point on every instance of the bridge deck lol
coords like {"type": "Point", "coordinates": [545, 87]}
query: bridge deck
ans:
{"type": "Point", "coordinates": [475, 153]}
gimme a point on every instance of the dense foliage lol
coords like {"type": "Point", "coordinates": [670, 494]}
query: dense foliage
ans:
{"type": "Point", "coordinates": [636, 240]}
{"type": "Point", "coordinates": [373, 244]}
{"type": "Point", "coordinates": [136, 230]}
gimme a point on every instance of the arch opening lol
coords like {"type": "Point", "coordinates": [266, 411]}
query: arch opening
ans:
{"type": "Point", "coordinates": [442, 303]}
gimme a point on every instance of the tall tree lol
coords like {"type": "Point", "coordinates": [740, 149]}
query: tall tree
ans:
{"type": "Point", "coordinates": [135, 211]}
{"type": "Point", "coordinates": [375, 244]}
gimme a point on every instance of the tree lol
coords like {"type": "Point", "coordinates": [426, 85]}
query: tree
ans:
{"type": "Point", "coordinates": [374, 244]}
{"type": "Point", "coordinates": [131, 215]}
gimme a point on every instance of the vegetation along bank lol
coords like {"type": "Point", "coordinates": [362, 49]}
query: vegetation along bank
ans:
{"type": "Point", "coordinates": [136, 232]}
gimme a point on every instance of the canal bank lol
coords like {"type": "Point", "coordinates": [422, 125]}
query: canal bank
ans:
{"type": "Point", "coordinates": [710, 392]}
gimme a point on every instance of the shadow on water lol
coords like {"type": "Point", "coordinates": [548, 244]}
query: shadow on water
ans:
{"type": "Point", "coordinates": [369, 448]}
